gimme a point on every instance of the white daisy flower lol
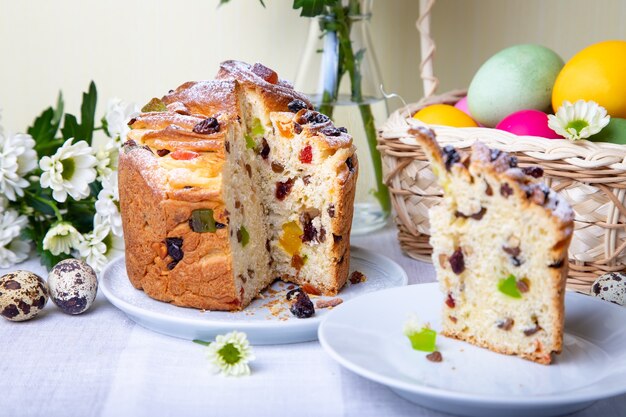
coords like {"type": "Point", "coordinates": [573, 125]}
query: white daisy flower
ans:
{"type": "Point", "coordinates": [62, 238]}
{"type": "Point", "coordinates": [107, 153]}
{"type": "Point", "coordinates": [12, 249]}
{"type": "Point", "coordinates": [100, 245]}
{"type": "Point", "coordinates": [579, 120]}
{"type": "Point", "coordinates": [230, 354]}
{"type": "Point", "coordinates": [17, 159]}
{"type": "Point", "coordinates": [117, 116]}
{"type": "Point", "coordinates": [69, 171]}
{"type": "Point", "coordinates": [108, 204]}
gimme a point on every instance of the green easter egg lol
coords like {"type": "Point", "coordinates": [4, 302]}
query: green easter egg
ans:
{"type": "Point", "coordinates": [614, 132]}
{"type": "Point", "coordinates": [517, 78]}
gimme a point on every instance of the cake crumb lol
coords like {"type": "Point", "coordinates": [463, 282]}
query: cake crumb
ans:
{"type": "Point", "coordinates": [357, 277]}
{"type": "Point", "coordinates": [328, 303]}
{"type": "Point", "coordinates": [435, 356]}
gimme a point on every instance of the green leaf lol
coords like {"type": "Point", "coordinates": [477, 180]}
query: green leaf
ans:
{"type": "Point", "coordinates": [508, 286]}
{"type": "Point", "coordinates": [312, 8]}
{"type": "Point", "coordinates": [41, 204]}
{"type": "Point", "coordinates": [228, 1]}
{"type": "Point", "coordinates": [41, 130]}
{"type": "Point", "coordinates": [71, 128]}
{"type": "Point", "coordinates": [58, 111]}
{"type": "Point", "coordinates": [358, 57]}
{"type": "Point", "coordinates": [87, 113]}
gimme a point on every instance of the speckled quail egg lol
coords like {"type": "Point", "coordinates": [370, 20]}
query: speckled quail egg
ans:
{"type": "Point", "coordinates": [23, 295]}
{"type": "Point", "coordinates": [73, 286]}
{"type": "Point", "coordinates": [611, 287]}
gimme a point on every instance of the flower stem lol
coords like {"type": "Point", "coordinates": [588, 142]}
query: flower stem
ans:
{"type": "Point", "coordinates": [201, 342]}
{"type": "Point", "coordinates": [352, 66]}
{"type": "Point", "coordinates": [49, 203]}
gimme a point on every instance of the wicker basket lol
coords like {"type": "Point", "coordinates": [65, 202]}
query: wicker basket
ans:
{"type": "Point", "coordinates": [590, 176]}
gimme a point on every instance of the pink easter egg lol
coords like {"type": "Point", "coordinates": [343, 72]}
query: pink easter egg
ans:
{"type": "Point", "coordinates": [528, 123]}
{"type": "Point", "coordinates": [462, 105]}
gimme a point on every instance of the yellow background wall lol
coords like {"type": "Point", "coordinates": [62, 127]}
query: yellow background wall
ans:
{"type": "Point", "coordinates": [136, 49]}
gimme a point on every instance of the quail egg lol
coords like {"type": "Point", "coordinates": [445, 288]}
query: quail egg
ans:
{"type": "Point", "coordinates": [611, 287]}
{"type": "Point", "coordinates": [22, 295]}
{"type": "Point", "coordinates": [73, 286]}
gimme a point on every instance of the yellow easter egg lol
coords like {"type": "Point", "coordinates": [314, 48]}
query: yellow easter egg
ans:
{"type": "Point", "coordinates": [445, 115]}
{"type": "Point", "coordinates": [596, 73]}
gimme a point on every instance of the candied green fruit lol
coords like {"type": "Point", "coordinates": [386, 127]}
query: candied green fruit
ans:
{"type": "Point", "coordinates": [508, 286]}
{"type": "Point", "coordinates": [250, 143]}
{"type": "Point", "coordinates": [423, 340]}
{"type": "Point", "coordinates": [257, 128]}
{"type": "Point", "coordinates": [154, 105]}
{"type": "Point", "coordinates": [202, 221]}
{"type": "Point", "coordinates": [245, 236]}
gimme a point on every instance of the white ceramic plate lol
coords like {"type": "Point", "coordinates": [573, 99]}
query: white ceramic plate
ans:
{"type": "Point", "coordinates": [472, 381]}
{"type": "Point", "coordinates": [257, 320]}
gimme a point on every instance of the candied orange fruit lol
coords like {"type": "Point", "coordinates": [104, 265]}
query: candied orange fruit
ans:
{"type": "Point", "coordinates": [290, 240]}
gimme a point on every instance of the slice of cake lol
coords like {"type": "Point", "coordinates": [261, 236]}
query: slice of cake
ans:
{"type": "Point", "coordinates": [500, 240]}
{"type": "Point", "coordinates": [227, 185]}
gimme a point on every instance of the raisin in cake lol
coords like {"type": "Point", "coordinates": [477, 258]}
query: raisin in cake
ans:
{"type": "Point", "coordinates": [500, 239]}
{"type": "Point", "coordinates": [226, 185]}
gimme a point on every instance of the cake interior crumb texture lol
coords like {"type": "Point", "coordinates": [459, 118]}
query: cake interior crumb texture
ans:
{"type": "Point", "coordinates": [500, 240]}
{"type": "Point", "coordinates": [275, 182]}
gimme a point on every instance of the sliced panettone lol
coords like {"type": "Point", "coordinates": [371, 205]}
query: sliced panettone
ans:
{"type": "Point", "coordinates": [227, 185]}
{"type": "Point", "coordinates": [500, 239]}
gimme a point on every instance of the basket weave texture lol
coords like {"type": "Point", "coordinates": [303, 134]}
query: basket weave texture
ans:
{"type": "Point", "coordinates": [591, 176]}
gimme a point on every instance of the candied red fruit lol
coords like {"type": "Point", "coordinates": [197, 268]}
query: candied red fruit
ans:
{"type": "Point", "coordinates": [306, 154]}
{"type": "Point", "coordinates": [184, 155]}
{"type": "Point", "coordinates": [450, 301]}
{"type": "Point", "coordinates": [266, 73]}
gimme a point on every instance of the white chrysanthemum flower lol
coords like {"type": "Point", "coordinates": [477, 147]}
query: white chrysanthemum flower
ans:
{"type": "Point", "coordinates": [62, 238]}
{"type": "Point", "coordinates": [99, 245]}
{"type": "Point", "coordinates": [12, 249]}
{"type": "Point", "coordinates": [107, 154]}
{"type": "Point", "coordinates": [579, 120]}
{"type": "Point", "coordinates": [108, 204]}
{"type": "Point", "coordinates": [230, 354]}
{"type": "Point", "coordinates": [117, 116]}
{"type": "Point", "coordinates": [69, 171]}
{"type": "Point", "coordinates": [17, 159]}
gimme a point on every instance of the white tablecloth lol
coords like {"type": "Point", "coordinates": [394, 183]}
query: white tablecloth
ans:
{"type": "Point", "coordinates": [103, 364]}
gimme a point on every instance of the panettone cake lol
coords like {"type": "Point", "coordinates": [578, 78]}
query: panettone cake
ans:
{"type": "Point", "coordinates": [229, 184]}
{"type": "Point", "coordinates": [500, 239]}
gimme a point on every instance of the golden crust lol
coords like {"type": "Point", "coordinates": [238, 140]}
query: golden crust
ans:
{"type": "Point", "coordinates": [203, 282]}
{"type": "Point", "coordinates": [275, 96]}
{"type": "Point", "coordinates": [539, 356]}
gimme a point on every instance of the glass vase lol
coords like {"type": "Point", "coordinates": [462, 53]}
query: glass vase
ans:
{"type": "Point", "coordinates": [340, 74]}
